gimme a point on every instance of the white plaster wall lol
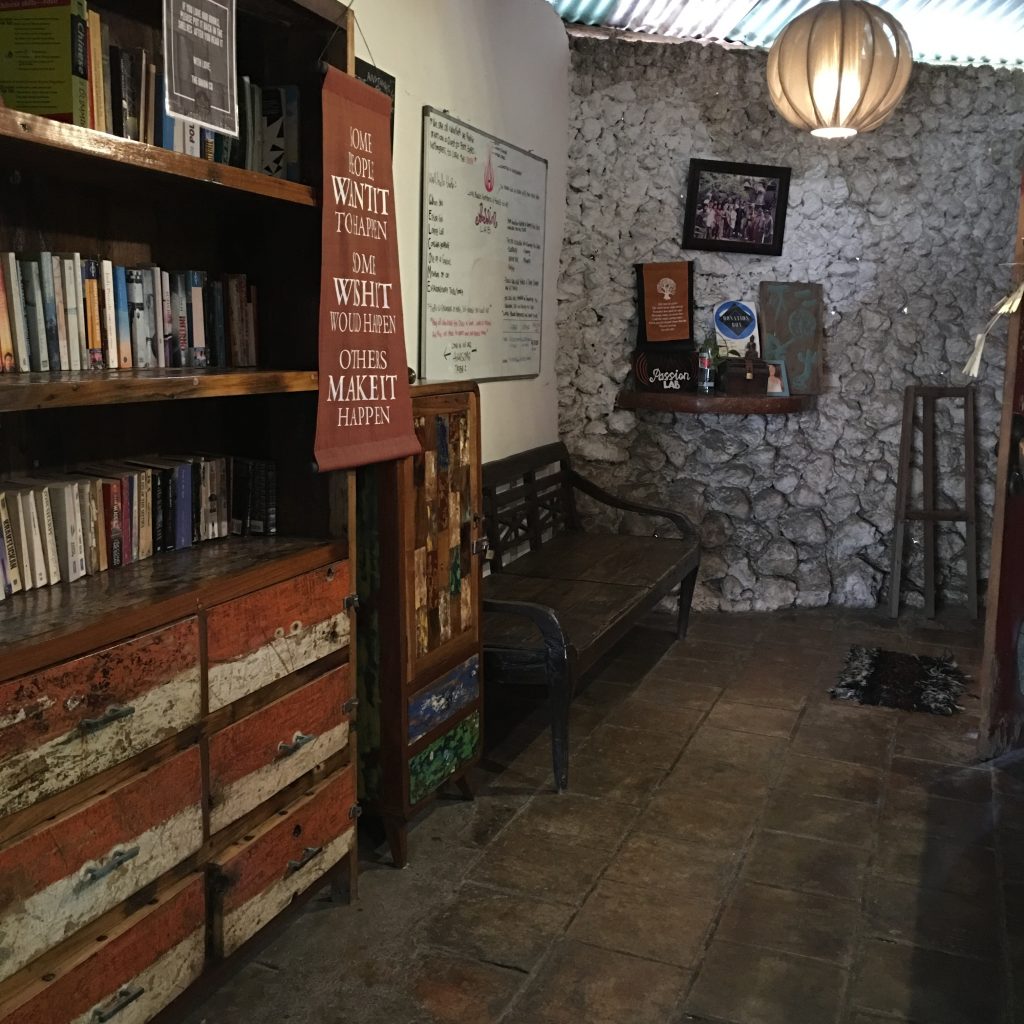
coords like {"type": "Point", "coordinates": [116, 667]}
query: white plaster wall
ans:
{"type": "Point", "coordinates": [503, 67]}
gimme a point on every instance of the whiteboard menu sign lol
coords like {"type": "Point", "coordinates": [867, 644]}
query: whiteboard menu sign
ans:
{"type": "Point", "coordinates": [482, 264]}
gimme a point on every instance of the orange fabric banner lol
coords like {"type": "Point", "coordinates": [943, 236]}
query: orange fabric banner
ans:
{"type": "Point", "coordinates": [365, 412]}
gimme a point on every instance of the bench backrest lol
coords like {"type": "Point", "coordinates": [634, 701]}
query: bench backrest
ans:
{"type": "Point", "coordinates": [528, 498]}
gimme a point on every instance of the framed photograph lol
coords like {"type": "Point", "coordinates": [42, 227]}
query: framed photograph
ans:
{"type": "Point", "coordinates": [736, 207]}
{"type": "Point", "coordinates": [778, 380]}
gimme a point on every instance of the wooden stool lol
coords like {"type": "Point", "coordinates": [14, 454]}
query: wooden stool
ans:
{"type": "Point", "coordinates": [928, 513]}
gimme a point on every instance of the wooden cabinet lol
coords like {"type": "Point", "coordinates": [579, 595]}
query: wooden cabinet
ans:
{"type": "Point", "coordinates": [419, 588]}
{"type": "Point", "coordinates": [176, 757]}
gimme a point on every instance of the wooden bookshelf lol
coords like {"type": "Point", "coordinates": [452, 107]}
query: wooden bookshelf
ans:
{"type": "Point", "coordinates": [32, 138]}
{"type": "Point", "coordinates": [20, 392]}
{"type": "Point", "coordinates": [735, 405]}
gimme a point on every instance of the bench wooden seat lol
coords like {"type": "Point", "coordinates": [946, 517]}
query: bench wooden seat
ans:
{"type": "Point", "coordinates": [558, 597]}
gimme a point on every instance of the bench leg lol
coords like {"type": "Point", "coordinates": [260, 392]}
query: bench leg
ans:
{"type": "Point", "coordinates": [686, 589]}
{"type": "Point", "coordinates": [560, 682]}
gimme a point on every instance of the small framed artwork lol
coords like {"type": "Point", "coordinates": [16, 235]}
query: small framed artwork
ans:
{"type": "Point", "coordinates": [734, 207]}
{"type": "Point", "coordinates": [778, 380]}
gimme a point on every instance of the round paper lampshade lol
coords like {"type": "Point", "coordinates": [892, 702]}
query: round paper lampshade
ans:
{"type": "Point", "coordinates": [839, 68]}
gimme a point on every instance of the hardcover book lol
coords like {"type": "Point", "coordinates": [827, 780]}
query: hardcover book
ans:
{"type": "Point", "coordinates": [39, 357]}
{"type": "Point", "coordinates": [72, 283]}
{"type": "Point", "coordinates": [93, 312]}
{"type": "Point", "coordinates": [137, 319]}
{"type": "Point", "coordinates": [16, 310]}
{"type": "Point", "coordinates": [125, 325]}
{"type": "Point", "coordinates": [109, 308]}
{"type": "Point", "coordinates": [53, 352]}
{"type": "Point", "coordinates": [63, 344]}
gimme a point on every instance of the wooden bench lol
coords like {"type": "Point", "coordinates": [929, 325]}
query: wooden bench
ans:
{"type": "Point", "coordinates": [559, 597]}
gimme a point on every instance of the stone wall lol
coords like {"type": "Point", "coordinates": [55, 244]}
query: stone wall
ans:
{"type": "Point", "coordinates": [909, 229]}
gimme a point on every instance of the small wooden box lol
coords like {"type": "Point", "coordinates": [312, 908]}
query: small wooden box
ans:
{"type": "Point", "coordinates": [745, 377]}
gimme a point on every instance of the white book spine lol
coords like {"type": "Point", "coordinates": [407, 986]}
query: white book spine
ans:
{"type": "Point", "coordinates": [77, 530]}
{"type": "Point", "coordinates": [168, 317]}
{"type": "Point", "coordinates": [191, 132]}
{"type": "Point", "coordinates": [83, 340]}
{"type": "Point", "coordinates": [109, 313]}
{"type": "Point", "coordinates": [21, 526]}
{"type": "Point", "coordinates": [57, 269]}
{"type": "Point", "coordinates": [37, 555]}
{"type": "Point", "coordinates": [71, 307]}
{"type": "Point", "coordinates": [10, 548]}
{"type": "Point", "coordinates": [44, 509]}
{"type": "Point", "coordinates": [38, 352]}
{"type": "Point", "coordinates": [84, 488]}
{"type": "Point", "coordinates": [155, 311]}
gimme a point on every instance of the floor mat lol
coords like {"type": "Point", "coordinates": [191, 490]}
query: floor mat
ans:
{"type": "Point", "coordinates": [906, 681]}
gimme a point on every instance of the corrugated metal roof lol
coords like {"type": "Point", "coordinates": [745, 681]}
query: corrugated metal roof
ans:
{"type": "Point", "coordinates": [941, 31]}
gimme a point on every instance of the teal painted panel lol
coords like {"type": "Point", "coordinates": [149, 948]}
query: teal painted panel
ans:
{"type": "Point", "coordinates": [443, 758]}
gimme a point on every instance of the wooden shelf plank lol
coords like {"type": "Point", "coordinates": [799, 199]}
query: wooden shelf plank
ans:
{"type": "Point", "coordinates": [45, 626]}
{"type": "Point", "coordinates": [26, 391]}
{"type": "Point", "coordinates": [27, 131]}
{"type": "Point", "coordinates": [740, 405]}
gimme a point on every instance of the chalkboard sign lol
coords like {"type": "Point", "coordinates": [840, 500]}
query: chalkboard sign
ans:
{"type": "Point", "coordinates": [482, 266]}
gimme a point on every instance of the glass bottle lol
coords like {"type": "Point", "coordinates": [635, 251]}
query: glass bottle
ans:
{"type": "Point", "coordinates": [706, 367]}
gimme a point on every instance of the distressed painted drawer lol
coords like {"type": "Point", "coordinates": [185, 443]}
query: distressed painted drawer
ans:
{"type": "Point", "coordinates": [257, 877]}
{"type": "Point", "coordinates": [256, 757]}
{"type": "Point", "coordinates": [275, 631]}
{"type": "Point", "coordinates": [71, 870]}
{"type": "Point", "coordinates": [141, 966]}
{"type": "Point", "coordinates": [436, 703]}
{"type": "Point", "coordinates": [440, 760]}
{"type": "Point", "coordinates": [66, 723]}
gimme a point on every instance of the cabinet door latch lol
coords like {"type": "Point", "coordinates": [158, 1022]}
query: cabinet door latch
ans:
{"type": "Point", "coordinates": [351, 601]}
{"type": "Point", "coordinates": [355, 811]}
{"type": "Point", "coordinates": [480, 547]}
{"type": "Point", "coordinates": [350, 705]}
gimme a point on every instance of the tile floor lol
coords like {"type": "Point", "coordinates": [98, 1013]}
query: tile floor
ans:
{"type": "Point", "coordinates": [735, 847]}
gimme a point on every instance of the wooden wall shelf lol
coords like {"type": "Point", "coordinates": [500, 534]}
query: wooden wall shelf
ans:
{"type": "Point", "coordinates": [21, 392]}
{"type": "Point", "coordinates": [25, 136]}
{"type": "Point", "coordinates": [737, 405]}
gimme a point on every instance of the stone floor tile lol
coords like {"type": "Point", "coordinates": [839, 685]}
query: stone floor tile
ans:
{"type": "Point", "coordinates": [573, 815]}
{"type": "Point", "coordinates": [821, 817]}
{"type": "Point", "coordinates": [681, 693]}
{"type": "Point", "coordinates": [664, 926]}
{"type": "Point", "coordinates": [842, 743]}
{"type": "Point", "coordinates": [488, 815]}
{"type": "Point", "coordinates": [665, 865]}
{"type": "Point", "coordinates": [703, 822]}
{"type": "Point", "coordinates": [1009, 814]}
{"type": "Point", "coordinates": [947, 740]}
{"type": "Point", "coordinates": [1011, 856]}
{"type": "Point", "coordinates": [705, 778]}
{"type": "Point", "coordinates": [925, 986]}
{"type": "Point", "coordinates": [785, 692]}
{"type": "Point", "coordinates": [617, 781]}
{"type": "Point", "coordinates": [740, 750]}
{"type": "Point", "coordinates": [744, 985]}
{"type": "Point", "coordinates": [656, 750]}
{"type": "Point", "coordinates": [501, 928]}
{"type": "Point", "coordinates": [804, 924]}
{"type": "Point", "coordinates": [807, 865]}
{"type": "Point", "coordinates": [953, 782]}
{"type": "Point", "coordinates": [548, 866]}
{"type": "Point", "coordinates": [646, 715]}
{"type": "Point", "coordinates": [957, 819]}
{"type": "Point", "coordinates": [943, 921]}
{"type": "Point", "coordinates": [935, 862]}
{"type": "Point", "coordinates": [582, 983]}
{"type": "Point", "coordinates": [752, 718]}
{"type": "Point", "coordinates": [597, 693]}
{"type": "Point", "coordinates": [840, 779]}
{"type": "Point", "coordinates": [450, 990]}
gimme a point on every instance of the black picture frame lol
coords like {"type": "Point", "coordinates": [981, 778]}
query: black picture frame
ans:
{"type": "Point", "coordinates": [767, 192]}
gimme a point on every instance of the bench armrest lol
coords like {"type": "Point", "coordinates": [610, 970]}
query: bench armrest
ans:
{"type": "Point", "coordinates": [555, 642]}
{"type": "Point", "coordinates": [681, 523]}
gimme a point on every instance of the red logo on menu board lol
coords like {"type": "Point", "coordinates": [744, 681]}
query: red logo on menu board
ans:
{"type": "Point", "coordinates": [489, 174]}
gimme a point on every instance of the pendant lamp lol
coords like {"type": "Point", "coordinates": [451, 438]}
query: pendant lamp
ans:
{"type": "Point", "coordinates": [839, 68]}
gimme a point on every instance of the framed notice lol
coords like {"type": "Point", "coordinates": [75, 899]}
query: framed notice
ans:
{"type": "Point", "coordinates": [665, 292]}
{"type": "Point", "coordinates": [199, 58]}
{"type": "Point", "coordinates": [482, 261]}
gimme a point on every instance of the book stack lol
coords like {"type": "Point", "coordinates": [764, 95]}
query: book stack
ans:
{"type": "Point", "coordinates": [62, 59]}
{"type": "Point", "coordinates": [60, 527]}
{"type": "Point", "coordinates": [63, 311]}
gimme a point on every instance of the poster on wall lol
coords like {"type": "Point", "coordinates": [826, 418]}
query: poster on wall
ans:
{"type": "Point", "coordinates": [482, 263]}
{"type": "Point", "coordinates": [792, 315]}
{"type": "Point", "coordinates": [665, 300]}
{"type": "Point", "coordinates": [199, 40]}
{"type": "Point", "coordinates": [364, 412]}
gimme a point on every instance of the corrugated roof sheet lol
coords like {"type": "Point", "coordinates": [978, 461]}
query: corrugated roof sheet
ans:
{"type": "Point", "coordinates": [941, 31]}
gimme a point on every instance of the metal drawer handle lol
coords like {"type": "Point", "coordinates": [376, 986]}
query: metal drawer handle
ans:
{"type": "Point", "coordinates": [94, 872]}
{"type": "Point", "coordinates": [298, 742]}
{"type": "Point", "coordinates": [125, 997]}
{"type": "Point", "coordinates": [112, 714]}
{"type": "Point", "coordinates": [307, 855]}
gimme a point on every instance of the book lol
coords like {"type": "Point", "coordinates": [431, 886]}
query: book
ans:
{"type": "Point", "coordinates": [44, 69]}
{"type": "Point", "coordinates": [137, 318]}
{"type": "Point", "coordinates": [7, 361]}
{"type": "Point", "coordinates": [117, 97]}
{"type": "Point", "coordinates": [245, 129]}
{"type": "Point", "coordinates": [252, 327]}
{"type": "Point", "coordinates": [121, 535]}
{"type": "Point", "coordinates": [109, 320]}
{"type": "Point", "coordinates": [39, 358]}
{"type": "Point", "coordinates": [196, 320]}
{"type": "Point", "coordinates": [72, 284]}
{"type": "Point", "coordinates": [241, 495]}
{"type": "Point", "coordinates": [207, 142]}
{"type": "Point", "coordinates": [179, 306]}
{"type": "Point", "coordinates": [53, 352]}
{"type": "Point", "coordinates": [111, 491]}
{"type": "Point", "coordinates": [273, 155]}
{"type": "Point", "coordinates": [96, 104]}
{"type": "Point", "coordinates": [108, 113]}
{"type": "Point", "coordinates": [22, 507]}
{"type": "Point", "coordinates": [292, 168]}
{"type": "Point", "coordinates": [13, 583]}
{"type": "Point", "coordinates": [190, 132]}
{"type": "Point", "coordinates": [93, 312]}
{"type": "Point", "coordinates": [256, 108]}
{"type": "Point", "coordinates": [216, 317]}
{"type": "Point", "coordinates": [124, 324]}
{"type": "Point", "coordinates": [235, 288]}
{"type": "Point", "coordinates": [258, 502]}
{"type": "Point", "coordinates": [19, 524]}
{"type": "Point", "coordinates": [87, 508]}
{"type": "Point", "coordinates": [130, 92]}
{"type": "Point", "coordinates": [168, 319]}
{"type": "Point", "coordinates": [153, 316]}
{"type": "Point", "coordinates": [16, 309]}
{"type": "Point", "coordinates": [140, 67]}
{"type": "Point", "coordinates": [57, 272]}
{"type": "Point", "coordinates": [67, 523]}
{"type": "Point", "coordinates": [167, 481]}
{"type": "Point", "coordinates": [40, 495]}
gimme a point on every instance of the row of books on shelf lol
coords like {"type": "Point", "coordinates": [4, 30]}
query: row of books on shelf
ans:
{"type": "Point", "coordinates": [93, 81]}
{"type": "Point", "coordinates": [67, 312]}
{"type": "Point", "coordinates": [100, 516]}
